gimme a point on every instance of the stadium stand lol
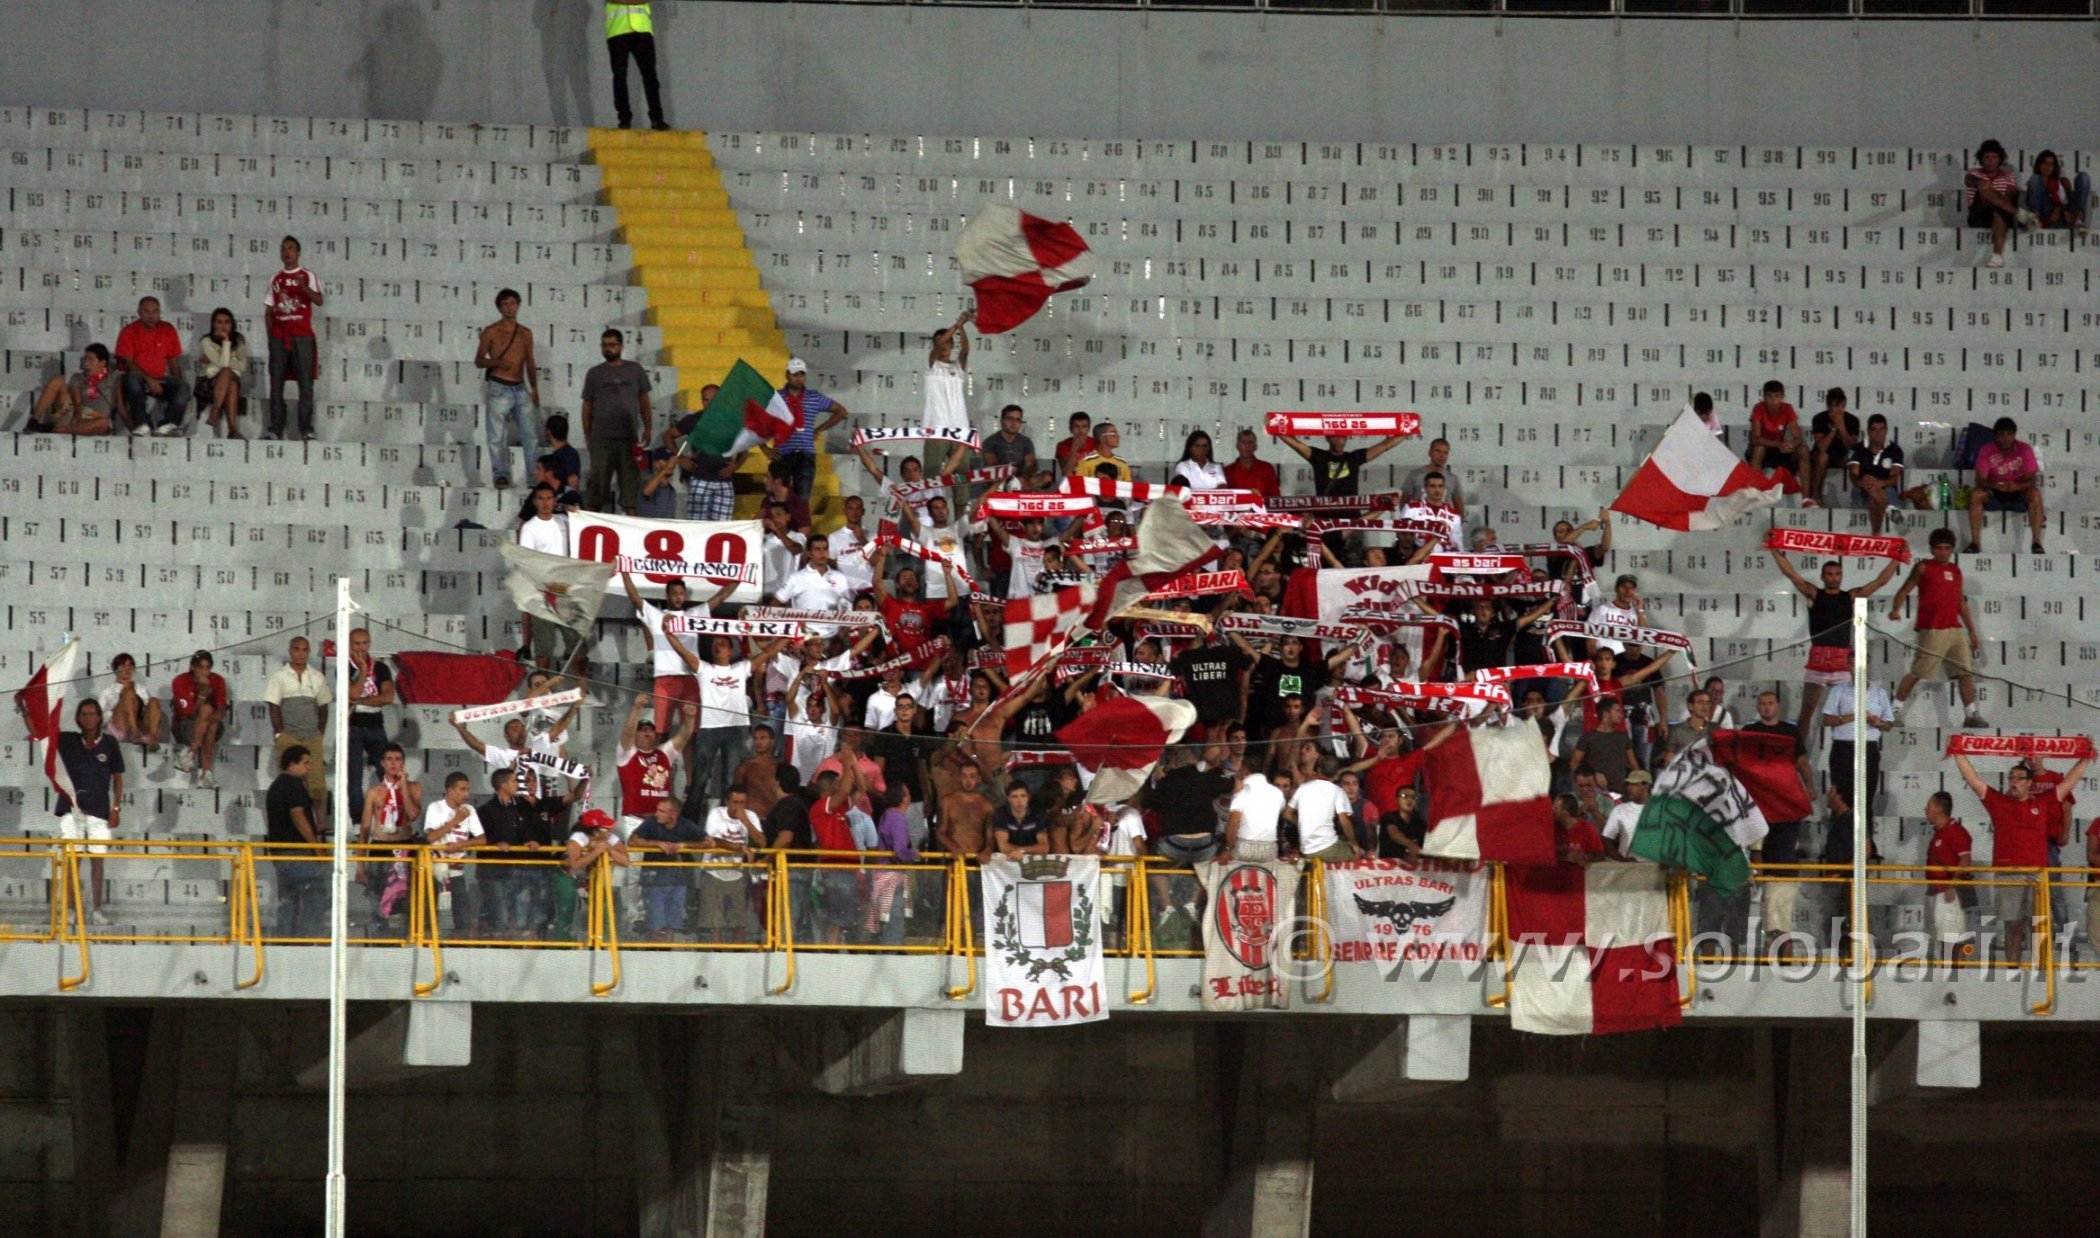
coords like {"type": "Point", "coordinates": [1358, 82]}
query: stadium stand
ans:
{"type": "Point", "coordinates": [1547, 308]}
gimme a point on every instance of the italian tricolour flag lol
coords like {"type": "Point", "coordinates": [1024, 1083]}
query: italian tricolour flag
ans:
{"type": "Point", "coordinates": [745, 412]}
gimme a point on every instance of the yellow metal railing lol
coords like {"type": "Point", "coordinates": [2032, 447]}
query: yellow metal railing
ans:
{"type": "Point", "coordinates": [796, 885]}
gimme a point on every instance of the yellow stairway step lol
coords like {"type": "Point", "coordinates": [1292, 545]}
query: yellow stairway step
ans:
{"type": "Point", "coordinates": [659, 178]}
{"type": "Point", "coordinates": [681, 217]}
{"type": "Point", "coordinates": [649, 197]}
{"type": "Point", "coordinates": [683, 159]}
{"type": "Point", "coordinates": [713, 317]}
{"type": "Point", "coordinates": [710, 362]}
{"type": "Point", "coordinates": [680, 236]}
{"type": "Point", "coordinates": [661, 298]}
{"type": "Point", "coordinates": [730, 337]}
{"type": "Point", "coordinates": [728, 257]}
{"type": "Point", "coordinates": [655, 277]}
{"type": "Point", "coordinates": [649, 139]}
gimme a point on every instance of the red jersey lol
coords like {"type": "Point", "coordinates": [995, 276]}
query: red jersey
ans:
{"type": "Point", "coordinates": [645, 779]}
{"type": "Point", "coordinates": [1581, 835]}
{"type": "Point", "coordinates": [1384, 781]}
{"type": "Point", "coordinates": [188, 694]}
{"type": "Point", "coordinates": [913, 623]}
{"type": "Point", "coordinates": [2019, 828]}
{"type": "Point", "coordinates": [1949, 844]}
{"type": "Point", "coordinates": [290, 303]}
{"type": "Point", "coordinates": [149, 349]}
{"type": "Point", "coordinates": [1771, 424]}
{"type": "Point", "coordinates": [1939, 596]}
{"type": "Point", "coordinates": [2045, 783]}
{"type": "Point", "coordinates": [1069, 455]}
{"type": "Point", "coordinates": [1256, 475]}
{"type": "Point", "coordinates": [829, 826]}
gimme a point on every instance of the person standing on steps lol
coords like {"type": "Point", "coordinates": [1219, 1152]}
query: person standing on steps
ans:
{"type": "Point", "coordinates": [289, 311]}
{"type": "Point", "coordinates": [510, 386]}
{"type": "Point", "coordinates": [1829, 634]}
{"type": "Point", "coordinates": [630, 32]}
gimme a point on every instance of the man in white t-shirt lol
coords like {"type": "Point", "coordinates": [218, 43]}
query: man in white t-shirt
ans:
{"type": "Point", "coordinates": [1435, 509]}
{"type": "Point", "coordinates": [1321, 809]}
{"type": "Point", "coordinates": [1026, 549]}
{"type": "Point", "coordinates": [1251, 821]}
{"type": "Point", "coordinates": [1625, 608]}
{"type": "Point", "coordinates": [547, 531]}
{"type": "Point", "coordinates": [674, 684]}
{"type": "Point", "coordinates": [726, 709]}
{"type": "Point", "coordinates": [882, 702]}
{"type": "Point", "coordinates": [780, 552]}
{"type": "Point", "coordinates": [452, 827]}
{"type": "Point", "coordinates": [733, 834]}
{"type": "Point", "coordinates": [817, 585]}
{"type": "Point", "coordinates": [1625, 816]}
{"type": "Point", "coordinates": [846, 541]}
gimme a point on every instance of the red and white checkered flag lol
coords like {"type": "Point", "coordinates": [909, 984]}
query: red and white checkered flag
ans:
{"type": "Point", "coordinates": [1040, 626]}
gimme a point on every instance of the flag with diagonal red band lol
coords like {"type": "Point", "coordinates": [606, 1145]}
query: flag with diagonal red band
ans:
{"type": "Point", "coordinates": [1014, 261]}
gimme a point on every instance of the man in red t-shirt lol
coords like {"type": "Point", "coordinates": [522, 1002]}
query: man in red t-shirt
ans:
{"type": "Point", "coordinates": [289, 314]}
{"type": "Point", "coordinates": [200, 713]}
{"type": "Point", "coordinates": [1944, 619]}
{"type": "Point", "coordinates": [1077, 447]}
{"type": "Point", "coordinates": [2020, 823]}
{"type": "Point", "coordinates": [1250, 472]}
{"type": "Point", "coordinates": [149, 353]}
{"type": "Point", "coordinates": [1775, 435]}
{"type": "Point", "coordinates": [837, 890]}
{"type": "Point", "coordinates": [1948, 849]}
{"type": "Point", "coordinates": [912, 619]}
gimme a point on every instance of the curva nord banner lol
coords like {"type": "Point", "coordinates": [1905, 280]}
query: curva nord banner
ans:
{"type": "Point", "coordinates": [707, 554]}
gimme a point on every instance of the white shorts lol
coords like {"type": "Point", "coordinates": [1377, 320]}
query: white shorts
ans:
{"type": "Point", "coordinates": [1944, 917]}
{"type": "Point", "coordinates": [1827, 679]}
{"type": "Point", "coordinates": [77, 826]}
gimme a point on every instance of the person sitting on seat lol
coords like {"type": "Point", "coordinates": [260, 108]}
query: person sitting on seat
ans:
{"type": "Point", "coordinates": [2008, 479]}
{"type": "Point", "coordinates": [90, 401]}
{"type": "Point", "coordinates": [2054, 201]}
{"type": "Point", "coordinates": [1992, 192]}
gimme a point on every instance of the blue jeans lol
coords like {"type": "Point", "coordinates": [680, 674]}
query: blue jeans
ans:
{"type": "Point", "coordinates": [804, 465]}
{"type": "Point", "coordinates": [716, 747]}
{"type": "Point", "coordinates": [367, 745]}
{"type": "Point", "coordinates": [293, 360]}
{"type": "Point", "coordinates": [665, 904]}
{"type": "Point", "coordinates": [174, 399]}
{"type": "Point", "coordinates": [302, 897]}
{"type": "Point", "coordinates": [502, 408]}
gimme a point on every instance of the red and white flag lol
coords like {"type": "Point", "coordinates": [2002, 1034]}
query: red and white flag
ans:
{"type": "Point", "coordinates": [1358, 425]}
{"type": "Point", "coordinates": [1120, 741]}
{"type": "Point", "coordinates": [1014, 261]}
{"type": "Point", "coordinates": [1492, 800]}
{"type": "Point", "coordinates": [1590, 948]}
{"type": "Point", "coordinates": [42, 703]}
{"type": "Point", "coordinates": [1040, 626]}
{"type": "Point", "coordinates": [1691, 482]}
{"type": "Point", "coordinates": [1170, 545]}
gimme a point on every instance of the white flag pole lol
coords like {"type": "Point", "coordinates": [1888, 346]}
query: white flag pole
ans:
{"type": "Point", "coordinates": [1862, 940]}
{"type": "Point", "coordinates": [338, 920]}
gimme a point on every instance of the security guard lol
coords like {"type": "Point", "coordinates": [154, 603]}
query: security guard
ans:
{"type": "Point", "coordinates": [629, 32]}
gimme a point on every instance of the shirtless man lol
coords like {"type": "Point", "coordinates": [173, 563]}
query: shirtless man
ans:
{"type": "Point", "coordinates": [965, 812]}
{"type": "Point", "coordinates": [510, 385]}
{"type": "Point", "coordinates": [392, 810]}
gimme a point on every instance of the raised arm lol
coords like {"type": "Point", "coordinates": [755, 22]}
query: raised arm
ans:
{"type": "Point", "coordinates": [1786, 569]}
{"type": "Point", "coordinates": [1868, 589]}
{"type": "Point", "coordinates": [685, 655]}
{"type": "Point", "coordinates": [689, 720]}
{"type": "Point", "coordinates": [480, 749]}
{"type": "Point", "coordinates": [1648, 671]}
{"type": "Point", "coordinates": [1298, 445]}
{"type": "Point", "coordinates": [634, 717]}
{"type": "Point", "coordinates": [1383, 446]}
{"type": "Point", "coordinates": [1980, 788]}
{"type": "Point", "coordinates": [634, 595]}
{"type": "Point", "coordinates": [2069, 786]}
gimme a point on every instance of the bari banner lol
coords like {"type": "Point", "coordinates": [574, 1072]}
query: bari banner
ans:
{"type": "Point", "coordinates": [706, 554]}
{"type": "Point", "coordinates": [1042, 957]}
{"type": "Point", "coordinates": [1408, 911]}
{"type": "Point", "coordinates": [1248, 933]}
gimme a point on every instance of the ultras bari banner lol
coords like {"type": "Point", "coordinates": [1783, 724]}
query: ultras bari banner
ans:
{"type": "Point", "coordinates": [1408, 911]}
{"type": "Point", "coordinates": [710, 553]}
{"type": "Point", "coordinates": [1042, 950]}
{"type": "Point", "coordinates": [1249, 930]}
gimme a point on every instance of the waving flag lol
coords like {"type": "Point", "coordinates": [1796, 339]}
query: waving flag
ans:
{"type": "Point", "coordinates": [1701, 819]}
{"type": "Point", "coordinates": [1040, 626]}
{"type": "Point", "coordinates": [1691, 482]}
{"type": "Point", "coordinates": [555, 587]}
{"type": "Point", "coordinates": [1765, 765]}
{"type": "Point", "coordinates": [1169, 545]}
{"type": "Point", "coordinates": [1120, 741]}
{"type": "Point", "coordinates": [42, 704]}
{"type": "Point", "coordinates": [1590, 949]}
{"type": "Point", "coordinates": [1491, 796]}
{"type": "Point", "coordinates": [746, 411]}
{"type": "Point", "coordinates": [1014, 261]}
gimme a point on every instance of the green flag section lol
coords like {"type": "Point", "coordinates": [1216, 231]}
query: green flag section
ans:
{"type": "Point", "coordinates": [1678, 833]}
{"type": "Point", "coordinates": [744, 412]}
{"type": "Point", "coordinates": [1699, 817]}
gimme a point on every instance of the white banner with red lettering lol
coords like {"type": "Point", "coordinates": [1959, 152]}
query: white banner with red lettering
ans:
{"type": "Point", "coordinates": [1355, 425]}
{"type": "Point", "coordinates": [1248, 932]}
{"type": "Point", "coordinates": [1042, 949]}
{"type": "Point", "coordinates": [706, 554]}
{"type": "Point", "coordinates": [1418, 911]}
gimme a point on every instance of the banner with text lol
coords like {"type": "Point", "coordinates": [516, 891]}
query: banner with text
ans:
{"type": "Point", "coordinates": [706, 554]}
{"type": "Point", "coordinates": [1042, 952]}
{"type": "Point", "coordinates": [1249, 931]}
{"type": "Point", "coordinates": [1418, 911]}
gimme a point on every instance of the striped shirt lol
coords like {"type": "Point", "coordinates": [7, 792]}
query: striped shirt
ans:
{"type": "Point", "coordinates": [814, 405]}
{"type": "Point", "coordinates": [2002, 180]}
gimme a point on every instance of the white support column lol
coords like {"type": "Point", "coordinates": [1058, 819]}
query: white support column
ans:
{"type": "Point", "coordinates": [1424, 1053]}
{"type": "Point", "coordinates": [336, 1183]}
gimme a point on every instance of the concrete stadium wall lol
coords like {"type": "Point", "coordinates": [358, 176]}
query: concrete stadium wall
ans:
{"type": "Point", "coordinates": [943, 70]}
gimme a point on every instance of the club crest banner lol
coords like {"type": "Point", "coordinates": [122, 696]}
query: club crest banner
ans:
{"type": "Point", "coordinates": [1408, 911]}
{"type": "Point", "coordinates": [1247, 933]}
{"type": "Point", "coordinates": [1042, 951]}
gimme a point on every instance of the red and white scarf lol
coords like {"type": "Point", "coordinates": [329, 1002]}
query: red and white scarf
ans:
{"type": "Point", "coordinates": [2050, 747]}
{"type": "Point", "coordinates": [1844, 545]}
{"type": "Point", "coordinates": [1129, 491]}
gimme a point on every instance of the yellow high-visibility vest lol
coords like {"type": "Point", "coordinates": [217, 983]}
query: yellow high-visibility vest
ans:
{"type": "Point", "coordinates": [626, 19]}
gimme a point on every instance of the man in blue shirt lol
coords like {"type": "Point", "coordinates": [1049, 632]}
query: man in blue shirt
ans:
{"type": "Point", "coordinates": [95, 766]}
{"type": "Point", "coordinates": [799, 453]}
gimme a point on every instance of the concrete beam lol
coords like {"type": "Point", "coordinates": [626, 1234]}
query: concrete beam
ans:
{"type": "Point", "coordinates": [1269, 1071]}
{"type": "Point", "coordinates": [1929, 1057]}
{"type": "Point", "coordinates": [893, 1052]}
{"type": "Point", "coordinates": [195, 1182]}
{"type": "Point", "coordinates": [412, 1040]}
{"type": "Point", "coordinates": [1420, 1054]}
{"type": "Point", "coordinates": [703, 1158]}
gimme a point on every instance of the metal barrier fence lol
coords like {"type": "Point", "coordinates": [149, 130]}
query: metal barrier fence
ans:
{"type": "Point", "coordinates": [795, 903]}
